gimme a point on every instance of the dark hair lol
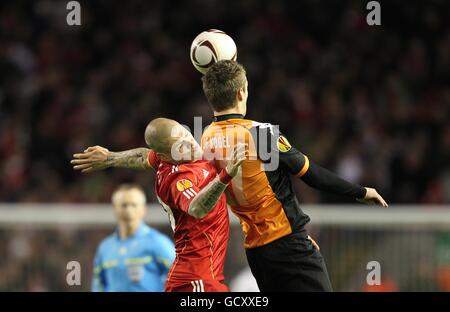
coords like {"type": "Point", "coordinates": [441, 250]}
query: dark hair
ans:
{"type": "Point", "coordinates": [221, 82]}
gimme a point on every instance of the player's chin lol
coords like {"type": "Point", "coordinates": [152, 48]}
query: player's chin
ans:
{"type": "Point", "coordinates": [127, 219]}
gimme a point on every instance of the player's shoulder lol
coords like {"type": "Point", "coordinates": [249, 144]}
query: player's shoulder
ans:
{"type": "Point", "coordinates": [107, 242]}
{"type": "Point", "coordinates": [177, 177]}
{"type": "Point", "coordinates": [238, 123]}
{"type": "Point", "coordinates": [168, 172]}
{"type": "Point", "coordinates": [184, 177]}
{"type": "Point", "coordinates": [155, 235]}
{"type": "Point", "coordinates": [148, 231]}
{"type": "Point", "coordinates": [271, 128]}
{"type": "Point", "coordinates": [195, 165]}
{"type": "Point", "coordinates": [271, 135]}
{"type": "Point", "coordinates": [192, 168]}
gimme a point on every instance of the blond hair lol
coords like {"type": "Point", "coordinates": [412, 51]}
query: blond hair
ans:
{"type": "Point", "coordinates": [127, 187]}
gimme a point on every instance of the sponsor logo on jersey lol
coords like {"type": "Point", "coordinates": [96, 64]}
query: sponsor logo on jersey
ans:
{"type": "Point", "coordinates": [283, 144]}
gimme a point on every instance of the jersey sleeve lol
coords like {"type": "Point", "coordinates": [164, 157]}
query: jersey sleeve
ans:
{"type": "Point", "coordinates": [164, 250]}
{"type": "Point", "coordinates": [98, 278]}
{"type": "Point", "coordinates": [295, 162]}
{"type": "Point", "coordinates": [325, 180]}
{"type": "Point", "coordinates": [183, 189]}
{"type": "Point", "coordinates": [153, 159]}
{"type": "Point", "coordinates": [270, 139]}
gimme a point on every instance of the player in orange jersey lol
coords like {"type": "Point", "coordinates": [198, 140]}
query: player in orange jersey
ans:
{"type": "Point", "coordinates": [279, 253]}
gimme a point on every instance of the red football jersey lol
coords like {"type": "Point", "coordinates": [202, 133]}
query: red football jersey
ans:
{"type": "Point", "coordinates": [200, 244]}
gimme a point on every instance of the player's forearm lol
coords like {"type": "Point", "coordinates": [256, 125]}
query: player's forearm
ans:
{"type": "Point", "coordinates": [134, 159]}
{"type": "Point", "coordinates": [324, 180]}
{"type": "Point", "coordinates": [207, 198]}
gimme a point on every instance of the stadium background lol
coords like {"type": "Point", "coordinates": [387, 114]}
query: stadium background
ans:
{"type": "Point", "coordinates": [370, 103]}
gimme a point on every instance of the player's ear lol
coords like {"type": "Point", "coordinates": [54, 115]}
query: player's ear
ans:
{"type": "Point", "coordinates": [187, 145]}
{"type": "Point", "coordinates": [240, 94]}
{"type": "Point", "coordinates": [162, 156]}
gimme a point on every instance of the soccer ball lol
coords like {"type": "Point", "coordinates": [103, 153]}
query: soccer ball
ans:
{"type": "Point", "coordinates": [211, 46]}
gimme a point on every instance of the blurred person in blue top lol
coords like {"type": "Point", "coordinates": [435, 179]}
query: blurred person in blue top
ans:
{"type": "Point", "coordinates": [135, 257]}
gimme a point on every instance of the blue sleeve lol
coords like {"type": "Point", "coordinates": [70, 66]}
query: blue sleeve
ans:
{"type": "Point", "coordinates": [164, 252]}
{"type": "Point", "coordinates": [98, 278]}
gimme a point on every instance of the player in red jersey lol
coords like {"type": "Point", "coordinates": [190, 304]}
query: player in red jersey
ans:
{"type": "Point", "coordinates": [191, 192]}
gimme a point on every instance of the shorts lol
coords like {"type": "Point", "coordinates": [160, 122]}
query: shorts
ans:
{"type": "Point", "coordinates": [289, 264]}
{"type": "Point", "coordinates": [197, 286]}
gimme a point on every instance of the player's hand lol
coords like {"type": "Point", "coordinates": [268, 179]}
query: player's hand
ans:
{"type": "Point", "coordinates": [93, 158]}
{"type": "Point", "coordinates": [373, 198]}
{"type": "Point", "coordinates": [239, 155]}
{"type": "Point", "coordinates": [315, 245]}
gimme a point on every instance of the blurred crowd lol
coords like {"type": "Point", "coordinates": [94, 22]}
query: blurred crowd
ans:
{"type": "Point", "coordinates": [30, 265]}
{"type": "Point", "coordinates": [371, 103]}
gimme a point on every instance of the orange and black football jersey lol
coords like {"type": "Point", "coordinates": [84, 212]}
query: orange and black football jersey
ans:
{"type": "Point", "coordinates": [261, 194]}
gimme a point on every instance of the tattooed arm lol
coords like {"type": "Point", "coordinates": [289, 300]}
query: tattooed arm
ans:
{"type": "Point", "coordinates": [134, 159]}
{"type": "Point", "coordinates": [99, 158]}
{"type": "Point", "coordinates": [207, 198]}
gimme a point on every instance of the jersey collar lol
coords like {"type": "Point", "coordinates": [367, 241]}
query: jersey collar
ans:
{"type": "Point", "coordinates": [228, 116]}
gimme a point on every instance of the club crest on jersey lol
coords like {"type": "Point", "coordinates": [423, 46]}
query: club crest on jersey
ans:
{"type": "Point", "coordinates": [183, 185]}
{"type": "Point", "coordinates": [283, 144]}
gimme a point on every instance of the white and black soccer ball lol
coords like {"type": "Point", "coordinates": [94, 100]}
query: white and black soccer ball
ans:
{"type": "Point", "coordinates": [211, 46]}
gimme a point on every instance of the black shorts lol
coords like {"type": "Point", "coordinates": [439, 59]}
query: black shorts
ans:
{"type": "Point", "coordinates": [289, 264]}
